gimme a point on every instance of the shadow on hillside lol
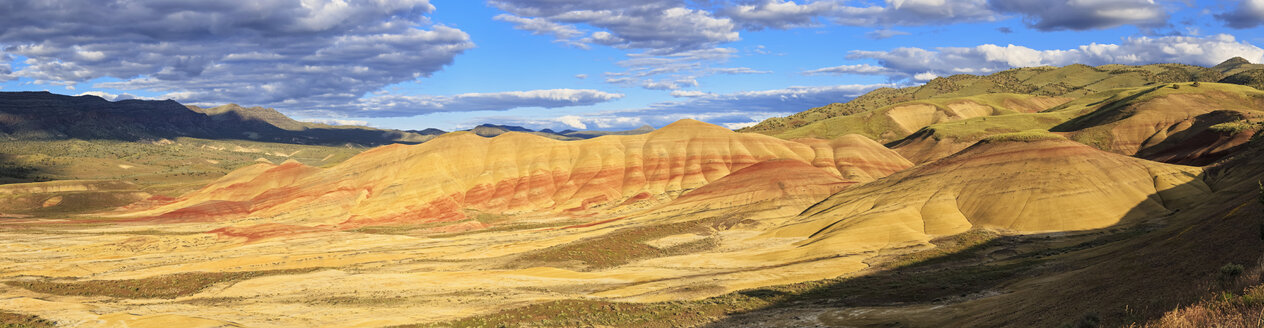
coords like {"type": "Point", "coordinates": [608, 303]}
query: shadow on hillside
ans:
{"type": "Point", "coordinates": [1178, 147]}
{"type": "Point", "coordinates": [1131, 272]}
{"type": "Point", "coordinates": [1108, 108]}
{"type": "Point", "coordinates": [14, 171]}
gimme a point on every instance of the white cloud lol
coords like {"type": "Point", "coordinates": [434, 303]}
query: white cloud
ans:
{"type": "Point", "coordinates": [659, 27]}
{"type": "Point", "coordinates": [107, 95]}
{"type": "Point", "coordinates": [860, 69]}
{"type": "Point", "coordinates": [670, 44]}
{"type": "Point", "coordinates": [921, 64]}
{"type": "Point", "coordinates": [400, 105]}
{"type": "Point", "coordinates": [733, 110]}
{"type": "Point", "coordinates": [277, 53]}
{"type": "Point", "coordinates": [581, 76]}
{"type": "Point", "coordinates": [779, 14]}
{"type": "Point", "coordinates": [1084, 14]}
{"type": "Point", "coordinates": [1248, 14]}
{"type": "Point", "coordinates": [885, 33]}
{"type": "Point", "coordinates": [783, 14]}
{"type": "Point", "coordinates": [573, 122]}
{"type": "Point", "coordinates": [540, 26]}
{"type": "Point", "coordinates": [747, 107]}
{"type": "Point", "coordinates": [669, 85]}
{"type": "Point", "coordinates": [331, 121]}
{"type": "Point", "coordinates": [688, 93]}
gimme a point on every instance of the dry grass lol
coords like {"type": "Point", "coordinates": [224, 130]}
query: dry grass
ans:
{"type": "Point", "coordinates": [167, 286]}
{"type": "Point", "coordinates": [621, 247]}
{"type": "Point", "coordinates": [1025, 136]}
{"type": "Point", "coordinates": [16, 320]}
{"type": "Point", "coordinates": [1233, 307]}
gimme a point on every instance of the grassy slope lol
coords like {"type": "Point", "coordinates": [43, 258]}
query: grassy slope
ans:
{"type": "Point", "coordinates": [875, 124]}
{"type": "Point", "coordinates": [1073, 80]}
{"type": "Point", "coordinates": [159, 168]}
{"type": "Point", "coordinates": [1089, 119]}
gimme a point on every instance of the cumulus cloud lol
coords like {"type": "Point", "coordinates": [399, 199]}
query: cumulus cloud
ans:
{"type": "Point", "coordinates": [779, 14]}
{"type": "Point", "coordinates": [540, 26]}
{"type": "Point", "coordinates": [573, 122]}
{"type": "Point", "coordinates": [656, 26]}
{"type": "Point", "coordinates": [1084, 14]}
{"type": "Point", "coordinates": [922, 64]}
{"type": "Point", "coordinates": [1248, 14]}
{"type": "Point", "coordinates": [279, 53]}
{"type": "Point", "coordinates": [665, 39]}
{"type": "Point", "coordinates": [401, 105]}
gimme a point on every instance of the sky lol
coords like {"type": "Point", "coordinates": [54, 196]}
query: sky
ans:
{"type": "Point", "coordinates": [580, 64]}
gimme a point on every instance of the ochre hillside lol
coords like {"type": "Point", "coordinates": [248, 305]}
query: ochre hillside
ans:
{"type": "Point", "coordinates": [1024, 183]}
{"type": "Point", "coordinates": [448, 178]}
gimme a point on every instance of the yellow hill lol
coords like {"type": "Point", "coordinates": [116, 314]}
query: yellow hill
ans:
{"type": "Point", "coordinates": [1022, 183]}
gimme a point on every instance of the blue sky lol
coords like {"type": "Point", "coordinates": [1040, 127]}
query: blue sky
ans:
{"type": "Point", "coordinates": [585, 64]}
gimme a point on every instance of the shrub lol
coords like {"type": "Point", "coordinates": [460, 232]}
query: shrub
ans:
{"type": "Point", "coordinates": [1196, 84]}
{"type": "Point", "coordinates": [1230, 271]}
{"type": "Point", "coordinates": [1176, 86]}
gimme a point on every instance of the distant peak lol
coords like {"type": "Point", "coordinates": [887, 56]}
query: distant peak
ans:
{"type": "Point", "coordinates": [690, 123]}
{"type": "Point", "coordinates": [1235, 61]}
{"type": "Point", "coordinates": [688, 127]}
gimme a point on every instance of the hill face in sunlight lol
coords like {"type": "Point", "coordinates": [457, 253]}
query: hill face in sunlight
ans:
{"type": "Point", "coordinates": [1021, 183]}
{"type": "Point", "coordinates": [443, 180]}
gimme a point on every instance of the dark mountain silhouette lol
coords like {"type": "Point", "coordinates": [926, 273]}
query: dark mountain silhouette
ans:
{"type": "Point", "coordinates": [48, 116]}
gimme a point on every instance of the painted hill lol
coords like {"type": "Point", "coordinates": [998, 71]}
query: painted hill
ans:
{"type": "Point", "coordinates": [459, 174]}
{"type": "Point", "coordinates": [1024, 183]}
{"type": "Point", "coordinates": [47, 116]}
{"type": "Point", "coordinates": [1169, 123]}
{"type": "Point", "coordinates": [1069, 81]}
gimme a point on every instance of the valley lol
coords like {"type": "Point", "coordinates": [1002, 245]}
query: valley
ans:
{"type": "Point", "coordinates": [968, 201]}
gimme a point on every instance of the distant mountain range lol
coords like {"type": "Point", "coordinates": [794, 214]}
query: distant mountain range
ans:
{"type": "Point", "coordinates": [48, 116]}
{"type": "Point", "coordinates": [492, 130]}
